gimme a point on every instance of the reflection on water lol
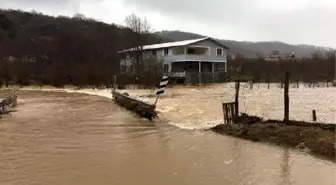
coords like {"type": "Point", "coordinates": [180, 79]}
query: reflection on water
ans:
{"type": "Point", "coordinates": [285, 167]}
{"type": "Point", "coordinates": [59, 138]}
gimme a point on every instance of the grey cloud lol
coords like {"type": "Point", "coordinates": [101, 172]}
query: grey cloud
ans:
{"type": "Point", "coordinates": [216, 11]}
{"type": "Point", "coordinates": [22, 3]}
{"type": "Point", "coordinates": [312, 22]}
{"type": "Point", "coordinates": [46, 6]}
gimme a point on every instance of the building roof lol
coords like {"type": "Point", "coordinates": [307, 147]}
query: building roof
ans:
{"type": "Point", "coordinates": [175, 44]}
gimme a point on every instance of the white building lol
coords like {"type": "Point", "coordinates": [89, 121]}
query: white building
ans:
{"type": "Point", "coordinates": [199, 58]}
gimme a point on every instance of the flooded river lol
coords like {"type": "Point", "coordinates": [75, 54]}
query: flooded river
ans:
{"type": "Point", "coordinates": [66, 138]}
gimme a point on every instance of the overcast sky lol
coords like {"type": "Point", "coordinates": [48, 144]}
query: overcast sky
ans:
{"type": "Point", "coordinates": [291, 21]}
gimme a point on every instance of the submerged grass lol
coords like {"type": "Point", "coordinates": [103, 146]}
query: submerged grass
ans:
{"type": "Point", "coordinates": [316, 140]}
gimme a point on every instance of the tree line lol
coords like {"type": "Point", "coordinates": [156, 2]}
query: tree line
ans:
{"type": "Point", "coordinates": [65, 50]}
{"type": "Point", "coordinates": [319, 68]}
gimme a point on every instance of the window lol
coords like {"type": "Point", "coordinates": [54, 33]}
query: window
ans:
{"type": "Point", "coordinates": [219, 52]}
{"type": "Point", "coordinates": [154, 52]}
{"type": "Point", "coordinates": [166, 51]}
{"type": "Point", "coordinates": [191, 51]}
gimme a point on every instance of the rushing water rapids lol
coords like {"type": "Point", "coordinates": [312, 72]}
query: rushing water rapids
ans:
{"type": "Point", "coordinates": [67, 138]}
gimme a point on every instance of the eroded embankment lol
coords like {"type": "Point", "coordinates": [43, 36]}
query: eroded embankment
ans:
{"type": "Point", "coordinates": [315, 139]}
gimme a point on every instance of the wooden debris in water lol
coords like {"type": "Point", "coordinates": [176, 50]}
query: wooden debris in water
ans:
{"type": "Point", "coordinates": [144, 109]}
{"type": "Point", "coordinates": [8, 103]}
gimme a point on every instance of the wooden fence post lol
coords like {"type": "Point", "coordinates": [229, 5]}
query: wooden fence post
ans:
{"type": "Point", "coordinates": [114, 82]}
{"type": "Point", "coordinates": [286, 97]}
{"type": "Point", "coordinates": [237, 97]}
{"type": "Point", "coordinates": [297, 82]}
{"type": "Point", "coordinates": [314, 115]}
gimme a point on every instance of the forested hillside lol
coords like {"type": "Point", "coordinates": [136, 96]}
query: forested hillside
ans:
{"type": "Point", "coordinates": [82, 51]}
{"type": "Point", "coordinates": [74, 50]}
{"type": "Point", "coordinates": [249, 49]}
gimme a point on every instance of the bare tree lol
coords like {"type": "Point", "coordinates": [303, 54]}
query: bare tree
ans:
{"type": "Point", "coordinates": [141, 29]}
{"type": "Point", "coordinates": [137, 24]}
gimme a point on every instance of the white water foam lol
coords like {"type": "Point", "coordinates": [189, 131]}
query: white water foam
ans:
{"type": "Point", "coordinates": [200, 107]}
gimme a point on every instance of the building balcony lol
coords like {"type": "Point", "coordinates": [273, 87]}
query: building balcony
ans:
{"type": "Point", "coordinates": [192, 57]}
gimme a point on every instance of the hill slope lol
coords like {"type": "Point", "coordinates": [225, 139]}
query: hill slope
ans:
{"type": "Point", "coordinates": [60, 50]}
{"type": "Point", "coordinates": [248, 48]}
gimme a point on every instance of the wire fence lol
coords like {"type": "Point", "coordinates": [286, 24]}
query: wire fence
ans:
{"type": "Point", "coordinates": [266, 100]}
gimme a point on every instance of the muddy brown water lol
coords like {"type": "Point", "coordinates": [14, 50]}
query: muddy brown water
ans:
{"type": "Point", "coordinates": [65, 138]}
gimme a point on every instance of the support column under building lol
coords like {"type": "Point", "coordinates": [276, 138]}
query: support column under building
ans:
{"type": "Point", "coordinates": [199, 72]}
{"type": "Point", "coordinates": [213, 72]}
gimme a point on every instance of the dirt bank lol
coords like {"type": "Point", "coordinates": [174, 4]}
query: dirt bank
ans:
{"type": "Point", "coordinates": [315, 140]}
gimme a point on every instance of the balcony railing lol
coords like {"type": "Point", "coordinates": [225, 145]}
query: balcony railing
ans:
{"type": "Point", "coordinates": [204, 77]}
{"type": "Point", "coordinates": [177, 74]}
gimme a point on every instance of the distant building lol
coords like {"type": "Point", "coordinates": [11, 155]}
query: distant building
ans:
{"type": "Point", "coordinates": [28, 59]}
{"type": "Point", "coordinates": [10, 59]}
{"type": "Point", "coordinates": [279, 57]}
{"type": "Point", "coordinates": [183, 58]}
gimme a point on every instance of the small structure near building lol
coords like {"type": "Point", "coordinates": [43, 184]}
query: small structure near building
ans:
{"type": "Point", "coordinates": [201, 60]}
